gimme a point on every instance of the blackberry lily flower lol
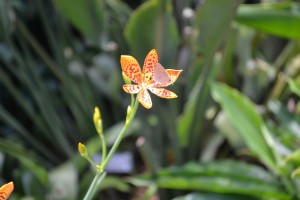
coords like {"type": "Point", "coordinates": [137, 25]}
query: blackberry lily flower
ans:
{"type": "Point", "coordinates": [145, 81]}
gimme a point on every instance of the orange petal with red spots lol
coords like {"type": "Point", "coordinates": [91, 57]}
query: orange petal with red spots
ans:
{"type": "Point", "coordinates": [149, 63]}
{"type": "Point", "coordinates": [131, 68]}
{"type": "Point", "coordinates": [132, 89]}
{"type": "Point", "coordinates": [163, 93]}
{"type": "Point", "coordinates": [6, 190]}
{"type": "Point", "coordinates": [145, 99]}
{"type": "Point", "coordinates": [173, 75]}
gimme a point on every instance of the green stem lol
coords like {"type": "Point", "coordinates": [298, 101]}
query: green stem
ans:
{"type": "Point", "coordinates": [100, 175]}
{"type": "Point", "coordinates": [92, 162]}
{"type": "Point", "coordinates": [132, 100]}
{"type": "Point", "coordinates": [95, 185]}
{"type": "Point", "coordinates": [121, 135]}
{"type": "Point", "coordinates": [103, 144]}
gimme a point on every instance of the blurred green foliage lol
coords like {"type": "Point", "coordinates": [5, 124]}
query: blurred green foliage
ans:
{"type": "Point", "coordinates": [232, 133]}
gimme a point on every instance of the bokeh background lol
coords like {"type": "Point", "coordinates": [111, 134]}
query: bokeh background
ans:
{"type": "Point", "coordinates": [232, 133]}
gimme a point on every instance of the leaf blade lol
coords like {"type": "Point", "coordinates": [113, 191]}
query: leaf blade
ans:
{"type": "Point", "coordinates": [272, 18]}
{"type": "Point", "coordinates": [241, 113]}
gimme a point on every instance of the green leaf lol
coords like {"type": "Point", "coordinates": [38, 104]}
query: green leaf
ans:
{"type": "Point", "coordinates": [222, 185]}
{"type": "Point", "coordinates": [241, 112]}
{"type": "Point", "coordinates": [206, 41]}
{"type": "Point", "coordinates": [294, 86]}
{"type": "Point", "coordinates": [209, 196]}
{"type": "Point", "coordinates": [225, 168]}
{"type": "Point", "coordinates": [212, 28]}
{"type": "Point", "coordinates": [152, 27]}
{"type": "Point", "coordinates": [86, 16]}
{"type": "Point", "coordinates": [220, 177]}
{"type": "Point", "coordinates": [188, 122]}
{"type": "Point", "coordinates": [278, 19]}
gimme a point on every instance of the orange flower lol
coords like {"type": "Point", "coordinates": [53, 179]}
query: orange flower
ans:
{"type": "Point", "coordinates": [145, 80]}
{"type": "Point", "coordinates": [6, 190]}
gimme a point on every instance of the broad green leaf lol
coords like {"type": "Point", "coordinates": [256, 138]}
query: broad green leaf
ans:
{"type": "Point", "coordinates": [278, 19]}
{"type": "Point", "coordinates": [210, 30]}
{"type": "Point", "coordinates": [189, 121]}
{"type": "Point", "coordinates": [210, 196]}
{"type": "Point", "coordinates": [220, 177]}
{"type": "Point", "coordinates": [241, 112]}
{"type": "Point", "coordinates": [294, 86]}
{"type": "Point", "coordinates": [150, 27]}
{"type": "Point", "coordinates": [223, 185]}
{"type": "Point", "coordinates": [86, 15]}
{"type": "Point", "coordinates": [225, 168]}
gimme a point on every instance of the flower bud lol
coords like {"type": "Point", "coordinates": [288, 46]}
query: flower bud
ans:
{"type": "Point", "coordinates": [129, 111]}
{"type": "Point", "coordinates": [82, 150]}
{"type": "Point", "coordinates": [97, 120]}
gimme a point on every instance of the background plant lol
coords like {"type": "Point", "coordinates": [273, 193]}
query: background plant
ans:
{"type": "Point", "coordinates": [60, 59]}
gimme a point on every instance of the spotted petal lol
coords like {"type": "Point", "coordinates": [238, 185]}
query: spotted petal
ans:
{"type": "Point", "coordinates": [173, 74]}
{"type": "Point", "coordinates": [131, 68]}
{"type": "Point", "coordinates": [132, 89]}
{"type": "Point", "coordinates": [163, 93]}
{"type": "Point", "coordinates": [6, 190]}
{"type": "Point", "coordinates": [145, 99]}
{"type": "Point", "coordinates": [149, 63]}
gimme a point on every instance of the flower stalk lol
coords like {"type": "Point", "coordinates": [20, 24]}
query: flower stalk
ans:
{"type": "Point", "coordinates": [100, 168]}
{"type": "Point", "coordinates": [99, 127]}
{"type": "Point", "coordinates": [153, 78]}
{"type": "Point", "coordinates": [84, 153]}
{"type": "Point", "coordinates": [121, 135]}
